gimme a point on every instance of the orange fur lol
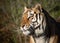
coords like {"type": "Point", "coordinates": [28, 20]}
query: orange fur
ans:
{"type": "Point", "coordinates": [53, 39]}
{"type": "Point", "coordinates": [24, 20]}
{"type": "Point", "coordinates": [31, 39]}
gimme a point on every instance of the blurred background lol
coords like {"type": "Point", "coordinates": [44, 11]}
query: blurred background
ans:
{"type": "Point", "coordinates": [10, 16]}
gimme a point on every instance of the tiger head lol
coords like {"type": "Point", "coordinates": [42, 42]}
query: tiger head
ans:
{"type": "Point", "coordinates": [32, 19]}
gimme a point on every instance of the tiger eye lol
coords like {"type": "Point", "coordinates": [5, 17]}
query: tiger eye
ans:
{"type": "Point", "coordinates": [32, 17]}
{"type": "Point", "coordinates": [34, 12]}
{"type": "Point", "coordinates": [23, 25]}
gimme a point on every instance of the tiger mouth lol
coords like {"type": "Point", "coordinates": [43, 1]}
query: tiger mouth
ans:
{"type": "Point", "coordinates": [27, 31]}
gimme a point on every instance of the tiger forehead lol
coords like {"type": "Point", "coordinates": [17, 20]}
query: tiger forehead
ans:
{"type": "Point", "coordinates": [35, 10]}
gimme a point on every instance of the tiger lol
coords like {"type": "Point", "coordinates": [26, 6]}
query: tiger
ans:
{"type": "Point", "coordinates": [24, 21]}
{"type": "Point", "coordinates": [37, 22]}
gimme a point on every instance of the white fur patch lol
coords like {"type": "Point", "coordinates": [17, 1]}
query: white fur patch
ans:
{"type": "Point", "coordinates": [40, 40]}
{"type": "Point", "coordinates": [32, 12]}
{"type": "Point", "coordinates": [38, 31]}
{"type": "Point", "coordinates": [26, 32]}
{"type": "Point", "coordinates": [29, 14]}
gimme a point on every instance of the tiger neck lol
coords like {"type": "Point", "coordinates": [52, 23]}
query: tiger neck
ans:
{"type": "Point", "coordinates": [41, 39]}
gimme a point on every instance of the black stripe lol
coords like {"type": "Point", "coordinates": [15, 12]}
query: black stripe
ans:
{"type": "Point", "coordinates": [36, 17]}
{"type": "Point", "coordinates": [39, 16]}
{"type": "Point", "coordinates": [42, 24]}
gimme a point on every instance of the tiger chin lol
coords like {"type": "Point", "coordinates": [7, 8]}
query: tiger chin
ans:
{"type": "Point", "coordinates": [34, 23]}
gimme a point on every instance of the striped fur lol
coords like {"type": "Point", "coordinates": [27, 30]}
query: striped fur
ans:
{"type": "Point", "coordinates": [36, 22]}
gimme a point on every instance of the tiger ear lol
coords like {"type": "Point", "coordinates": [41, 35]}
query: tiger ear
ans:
{"type": "Point", "coordinates": [25, 8]}
{"type": "Point", "coordinates": [38, 6]}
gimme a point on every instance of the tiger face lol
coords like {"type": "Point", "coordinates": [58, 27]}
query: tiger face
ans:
{"type": "Point", "coordinates": [32, 19]}
{"type": "Point", "coordinates": [26, 22]}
